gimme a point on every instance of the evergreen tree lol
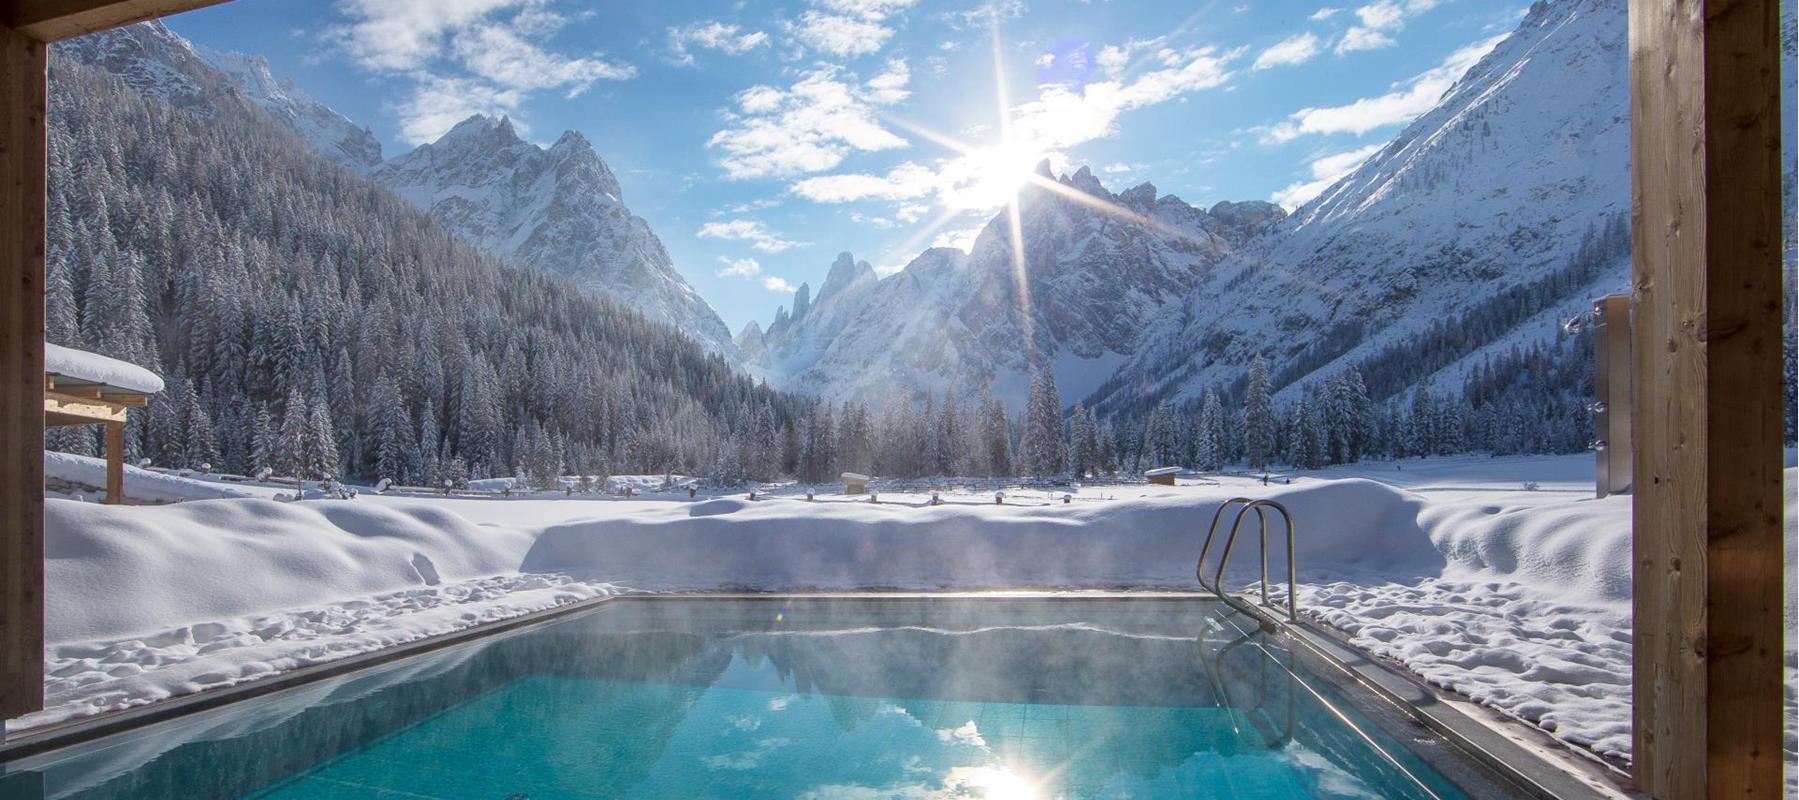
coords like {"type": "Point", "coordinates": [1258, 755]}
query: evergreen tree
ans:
{"type": "Point", "coordinates": [1209, 451]}
{"type": "Point", "coordinates": [1259, 422]}
{"type": "Point", "coordinates": [996, 436]}
{"type": "Point", "coordinates": [1041, 443]}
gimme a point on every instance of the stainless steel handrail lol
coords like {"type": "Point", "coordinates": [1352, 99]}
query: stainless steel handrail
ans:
{"type": "Point", "coordinates": [1199, 568]}
{"type": "Point", "coordinates": [1224, 558]}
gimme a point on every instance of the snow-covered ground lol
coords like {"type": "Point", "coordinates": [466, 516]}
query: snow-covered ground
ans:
{"type": "Point", "coordinates": [1500, 578]}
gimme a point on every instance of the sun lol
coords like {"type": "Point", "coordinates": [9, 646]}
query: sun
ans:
{"type": "Point", "coordinates": [991, 176]}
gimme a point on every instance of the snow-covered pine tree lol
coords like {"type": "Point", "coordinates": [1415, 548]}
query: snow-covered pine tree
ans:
{"type": "Point", "coordinates": [392, 441]}
{"type": "Point", "coordinates": [1259, 421]}
{"type": "Point", "coordinates": [319, 457]}
{"type": "Point", "coordinates": [996, 436]}
{"type": "Point", "coordinates": [1209, 451]}
{"type": "Point", "coordinates": [1040, 444]}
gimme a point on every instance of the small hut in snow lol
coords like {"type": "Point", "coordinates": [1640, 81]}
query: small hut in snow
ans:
{"type": "Point", "coordinates": [855, 483]}
{"type": "Point", "coordinates": [1161, 476]}
{"type": "Point", "coordinates": [82, 388]}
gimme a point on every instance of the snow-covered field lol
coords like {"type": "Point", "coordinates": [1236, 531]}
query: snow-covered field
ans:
{"type": "Point", "coordinates": [1500, 578]}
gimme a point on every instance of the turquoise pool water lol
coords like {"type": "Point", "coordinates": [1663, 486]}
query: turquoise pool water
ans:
{"type": "Point", "coordinates": [852, 699]}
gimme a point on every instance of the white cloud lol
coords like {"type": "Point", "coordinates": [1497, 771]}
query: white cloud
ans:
{"type": "Point", "coordinates": [1358, 38]}
{"type": "Point", "coordinates": [1289, 52]}
{"type": "Point", "coordinates": [752, 269]}
{"type": "Point", "coordinates": [1404, 102]}
{"type": "Point", "coordinates": [747, 230]}
{"type": "Point", "coordinates": [506, 58]}
{"type": "Point", "coordinates": [465, 56]}
{"type": "Point", "coordinates": [1323, 14]}
{"type": "Point", "coordinates": [739, 267]}
{"type": "Point", "coordinates": [1120, 168]}
{"type": "Point", "coordinates": [1063, 116]}
{"type": "Point", "coordinates": [438, 103]}
{"type": "Point", "coordinates": [712, 35]}
{"type": "Point", "coordinates": [840, 35]}
{"type": "Point", "coordinates": [908, 181]}
{"type": "Point", "coordinates": [847, 28]}
{"type": "Point", "coordinates": [810, 126]}
{"type": "Point", "coordinates": [1326, 170]}
{"type": "Point", "coordinates": [1378, 21]}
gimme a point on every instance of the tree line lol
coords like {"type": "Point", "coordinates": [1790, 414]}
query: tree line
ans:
{"type": "Point", "coordinates": [310, 322]}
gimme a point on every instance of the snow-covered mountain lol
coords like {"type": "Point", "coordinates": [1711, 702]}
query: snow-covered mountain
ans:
{"type": "Point", "coordinates": [331, 134]}
{"type": "Point", "coordinates": [1518, 178]}
{"type": "Point", "coordinates": [157, 62]}
{"type": "Point", "coordinates": [558, 210]}
{"type": "Point", "coordinates": [1097, 267]}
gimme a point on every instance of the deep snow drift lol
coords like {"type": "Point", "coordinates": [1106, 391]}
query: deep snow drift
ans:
{"type": "Point", "coordinates": [1516, 594]}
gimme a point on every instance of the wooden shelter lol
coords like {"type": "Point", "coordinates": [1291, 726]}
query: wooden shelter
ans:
{"type": "Point", "coordinates": [1706, 352]}
{"type": "Point", "coordinates": [82, 388]}
{"type": "Point", "coordinates": [1162, 476]}
{"type": "Point", "coordinates": [855, 483]}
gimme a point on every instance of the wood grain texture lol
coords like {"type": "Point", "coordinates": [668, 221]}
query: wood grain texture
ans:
{"type": "Point", "coordinates": [1706, 355]}
{"type": "Point", "coordinates": [22, 107]}
{"type": "Point", "coordinates": [115, 463]}
{"type": "Point", "coordinates": [52, 20]}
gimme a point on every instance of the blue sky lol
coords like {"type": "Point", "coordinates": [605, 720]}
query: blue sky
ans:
{"type": "Point", "coordinates": [762, 138]}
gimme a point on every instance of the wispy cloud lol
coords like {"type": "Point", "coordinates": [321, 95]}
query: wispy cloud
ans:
{"type": "Point", "coordinates": [1377, 22]}
{"type": "Point", "coordinates": [1292, 51]}
{"type": "Point", "coordinates": [751, 269]}
{"type": "Point", "coordinates": [724, 37]}
{"type": "Point", "coordinates": [811, 125]}
{"type": "Point", "coordinates": [1404, 102]}
{"type": "Point", "coordinates": [465, 56]}
{"type": "Point", "coordinates": [1326, 170]}
{"type": "Point", "coordinates": [747, 230]}
{"type": "Point", "coordinates": [847, 28]}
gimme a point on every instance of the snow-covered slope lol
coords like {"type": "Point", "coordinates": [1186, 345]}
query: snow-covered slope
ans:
{"type": "Point", "coordinates": [158, 62]}
{"type": "Point", "coordinates": [558, 210]}
{"type": "Point", "coordinates": [1097, 267]}
{"type": "Point", "coordinates": [1523, 161]}
{"type": "Point", "coordinates": [331, 134]}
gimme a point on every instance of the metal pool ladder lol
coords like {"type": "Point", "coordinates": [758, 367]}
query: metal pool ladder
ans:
{"type": "Point", "coordinates": [1224, 558]}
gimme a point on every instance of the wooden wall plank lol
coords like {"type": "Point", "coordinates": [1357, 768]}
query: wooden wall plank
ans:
{"type": "Point", "coordinates": [22, 107]}
{"type": "Point", "coordinates": [1706, 356]}
{"type": "Point", "coordinates": [51, 20]}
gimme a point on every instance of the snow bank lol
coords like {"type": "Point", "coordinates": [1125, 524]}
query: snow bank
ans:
{"type": "Point", "coordinates": [95, 368]}
{"type": "Point", "coordinates": [140, 484]}
{"type": "Point", "coordinates": [114, 571]}
{"type": "Point", "coordinates": [1152, 542]}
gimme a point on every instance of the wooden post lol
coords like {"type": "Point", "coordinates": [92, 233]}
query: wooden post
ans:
{"type": "Point", "coordinates": [22, 107]}
{"type": "Point", "coordinates": [1705, 169]}
{"type": "Point", "coordinates": [115, 463]}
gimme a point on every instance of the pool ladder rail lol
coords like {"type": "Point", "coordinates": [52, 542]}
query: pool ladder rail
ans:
{"type": "Point", "coordinates": [1217, 583]}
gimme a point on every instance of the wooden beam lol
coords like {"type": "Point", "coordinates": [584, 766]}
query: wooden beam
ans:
{"type": "Point", "coordinates": [115, 462]}
{"type": "Point", "coordinates": [1705, 170]}
{"type": "Point", "coordinates": [80, 408]}
{"type": "Point", "coordinates": [53, 20]}
{"type": "Point", "coordinates": [22, 108]}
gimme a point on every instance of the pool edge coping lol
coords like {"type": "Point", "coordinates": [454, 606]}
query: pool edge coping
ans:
{"type": "Point", "coordinates": [1503, 744]}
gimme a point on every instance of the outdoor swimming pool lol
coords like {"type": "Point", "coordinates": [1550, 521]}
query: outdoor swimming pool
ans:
{"type": "Point", "coordinates": [815, 698]}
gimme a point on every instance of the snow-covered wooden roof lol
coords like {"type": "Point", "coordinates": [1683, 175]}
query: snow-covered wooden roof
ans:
{"type": "Point", "coordinates": [72, 368]}
{"type": "Point", "coordinates": [1162, 471]}
{"type": "Point", "coordinates": [855, 477]}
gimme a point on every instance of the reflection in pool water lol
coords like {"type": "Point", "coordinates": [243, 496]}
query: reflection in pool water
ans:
{"type": "Point", "coordinates": [810, 699]}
